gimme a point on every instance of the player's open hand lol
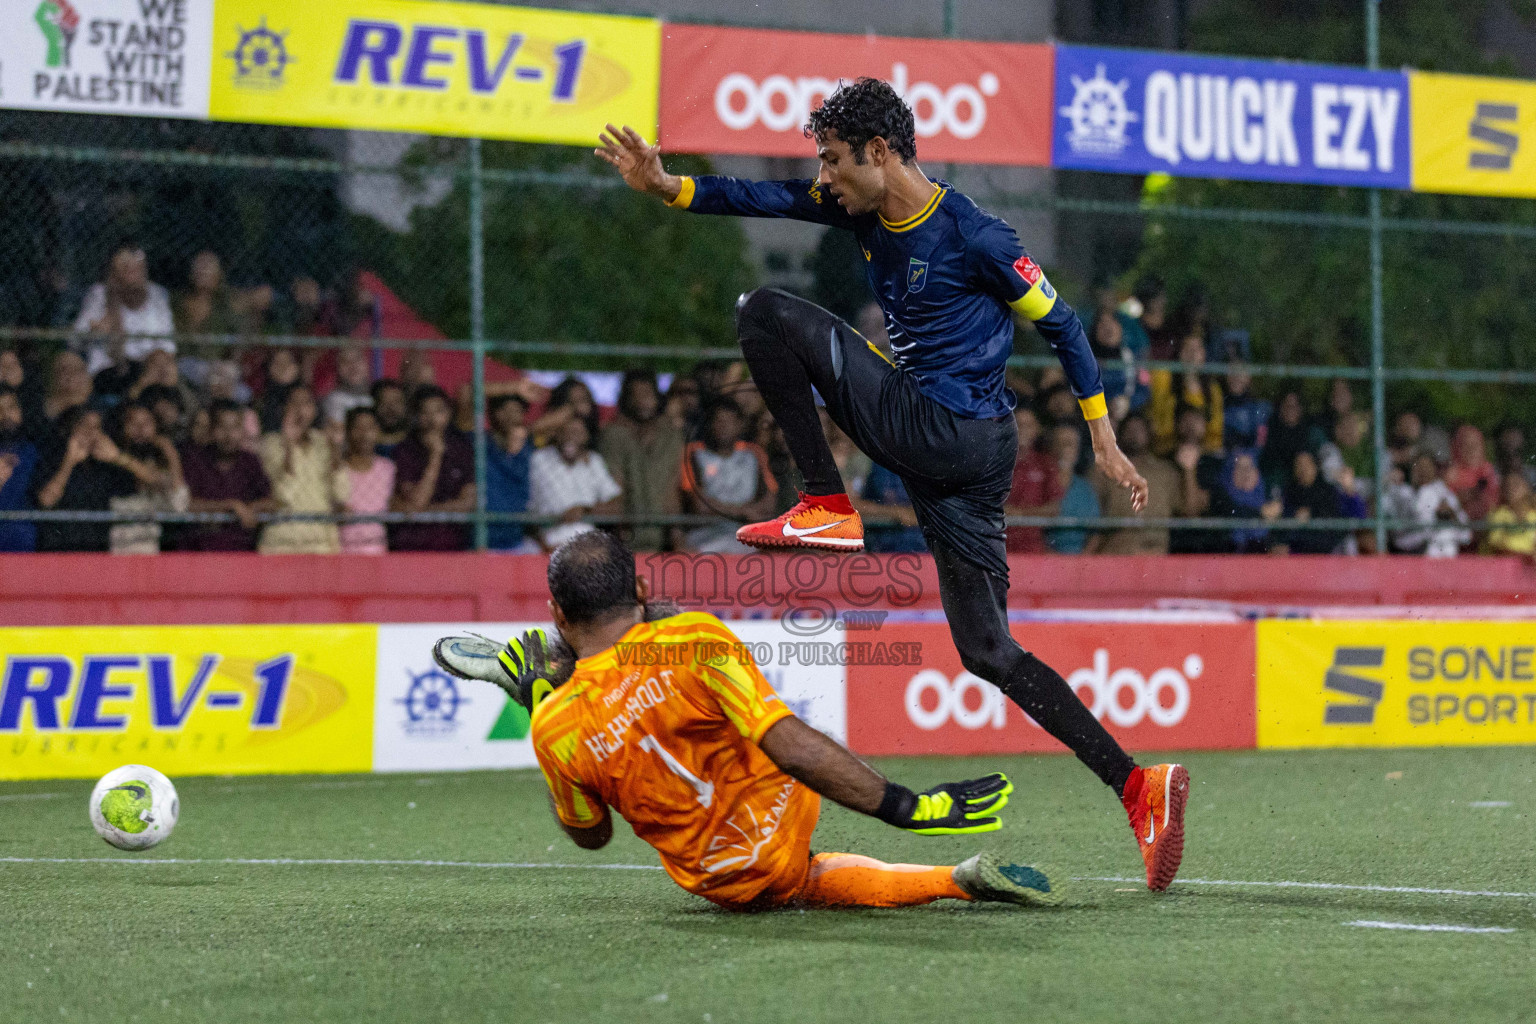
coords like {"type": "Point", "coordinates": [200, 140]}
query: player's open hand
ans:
{"type": "Point", "coordinates": [1112, 462]}
{"type": "Point", "coordinates": [637, 161]}
{"type": "Point", "coordinates": [955, 808]}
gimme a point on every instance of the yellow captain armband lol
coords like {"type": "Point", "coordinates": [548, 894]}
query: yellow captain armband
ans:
{"type": "Point", "coordinates": [1094, 406]}
{"type": "Point", "coordinates": [685, 196]}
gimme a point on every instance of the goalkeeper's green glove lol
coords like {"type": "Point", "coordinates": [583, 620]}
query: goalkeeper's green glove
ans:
{"type": "Point", "coordinates": [951, 809]}
{"type": "Point", "coordinates": [534, 666]}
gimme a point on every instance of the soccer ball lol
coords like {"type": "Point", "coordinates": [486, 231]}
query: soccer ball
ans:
{"type": "Point", "coordinates": [134, 807]}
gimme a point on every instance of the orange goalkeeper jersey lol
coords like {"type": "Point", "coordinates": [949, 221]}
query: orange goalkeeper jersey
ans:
{"type": "Point", "coordinates": [663, 728]}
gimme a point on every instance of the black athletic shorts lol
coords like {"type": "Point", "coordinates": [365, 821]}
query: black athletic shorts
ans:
{"type": "Point", "coordinates": [957, 470]}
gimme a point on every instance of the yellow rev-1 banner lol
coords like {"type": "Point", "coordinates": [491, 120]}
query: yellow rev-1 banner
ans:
{"type": "Point", "coordinates": [189, 700]}
{"type": "Point", "coordinates": [1396, 684]}
{"type": "Point", "coordinates": [445, 68]}
{"type": "Point", "coordinates": [1473, 135]}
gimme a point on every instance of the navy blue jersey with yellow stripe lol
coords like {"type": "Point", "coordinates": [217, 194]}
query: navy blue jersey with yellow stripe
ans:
{"type": "Point", "coordinates": [949, 279]}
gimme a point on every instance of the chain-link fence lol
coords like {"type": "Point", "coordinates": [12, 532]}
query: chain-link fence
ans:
{"type": "Point", "coordinates": [477, 266]}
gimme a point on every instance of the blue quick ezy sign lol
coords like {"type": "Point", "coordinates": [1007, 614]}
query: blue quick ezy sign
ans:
{"type": "Point", "coordinates": [1137, 111]}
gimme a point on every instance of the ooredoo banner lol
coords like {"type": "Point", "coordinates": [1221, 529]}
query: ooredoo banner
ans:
{"type": "Point", "coordinates": [76, 702]}
{"type": "Point", "coordinates": [1136, 111]}
{"type": "Point", "coordinates": [734, 90]}
{"type": "Point", "coordinates": [142, 57]}
{"type": "Point", "coordinates": [1396, 684]}
{"type": "Point", "coordinates": [1155, 687]}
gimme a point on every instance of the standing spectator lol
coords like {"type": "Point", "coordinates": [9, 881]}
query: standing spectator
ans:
{"type": "Point", "coordinates": [1245, 416]}
{"type": "Point", "coordinates": [725, 475]}
{"type": "Point", "coordinates": [1511, 455]}
{"type": "Point", "coordinates": [306, 478]}
{"type": "Point", "coordinates": [1140, 318]}
{"type": "Point", "coordinates": [1190, 389]}
{"type": "Point", "coordinates": [1289, 435]}
{"type": "Point", "coordinates": [643, 450]}
{"type": "Point", "coordinates": [507, 460]}
{"type": "Point", "coordinates": [1471, 475]}
{"type": "Point", "coordinates": [1309, 497]}
{"type": "Point", "coordinates": [1036, 489]}
{"type": "Point", "coordinates": [223, 476]}
{"type": "Point", "coordinates": [570, 481]}
{"type": "Point", "coordinates": [138, 437]}
{"type": "Point", "coordinates": [1200, 477]}
{"type": "Point", "coordinates": [370, 484]}
{"type": "Point", "coordinates": [281, 376]}
{"type": "Point", "coordinates": [354, 380]}
{"type": "Point", "coordinates": [1117, 362]}
{"type": "Point", "coordinates": [434, 472]}
{"type": "Point", "coordinates": [1136, 442]}
{"type": "Point", "coordinates": [83, 473]}
{"type": "Point", "coordinates": [126, 309]}
{"type": "Point", "coordinates": [1515, 519]}
{"type": "Point", "coordinates": [885, 497]}
{"type": "Point", "coordinates": [571, 399]}
{"type": "Point", "coordinates": [18, 461]}
{"type": "Point", "coordinates": [1242, 495]}
{"type": "Point", "coordinates": [393, 413]}
{"type": "Point", "coordinates": [1425, 499]}
{"type": "Point", "coordinates": [1078, 500]}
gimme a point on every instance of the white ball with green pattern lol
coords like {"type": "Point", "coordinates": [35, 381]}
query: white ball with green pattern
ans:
{"type": "Point", "coordinates": [134, 807]}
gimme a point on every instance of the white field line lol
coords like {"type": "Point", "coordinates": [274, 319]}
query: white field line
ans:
{"type": "Point", "coordinates": [1489, 803]}
{"type": "Point", "coordinates": [28, 796]}
{"type": "Point", "coordinates": [1412, 890]}
{"type": "Point", "coordinates": [1403, 926]}
{"type": "Point", "coordinates": [322, 862]}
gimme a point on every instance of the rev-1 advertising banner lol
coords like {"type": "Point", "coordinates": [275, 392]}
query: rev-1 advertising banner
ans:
{"type": "Point", "coordinates": [1137, 111]}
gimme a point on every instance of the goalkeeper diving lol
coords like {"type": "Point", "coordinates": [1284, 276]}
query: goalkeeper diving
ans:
{"type": "Point", "coordinates": [664, 718]}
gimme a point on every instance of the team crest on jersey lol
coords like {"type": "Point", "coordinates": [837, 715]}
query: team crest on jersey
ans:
{"type": "Point", "coordinates": [917, 276]}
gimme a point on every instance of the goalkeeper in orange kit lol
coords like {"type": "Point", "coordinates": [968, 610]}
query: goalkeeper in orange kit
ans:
{"type": "Point", "coordinates": [665, 719]}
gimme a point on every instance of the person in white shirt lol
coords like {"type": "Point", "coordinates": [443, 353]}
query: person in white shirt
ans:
{"type": "Point", "coordinates": [126, 309]}
{"type": "Point", "coordinates": [568, 479]}
{"type": "Point", "coordinates": [1429, 501]}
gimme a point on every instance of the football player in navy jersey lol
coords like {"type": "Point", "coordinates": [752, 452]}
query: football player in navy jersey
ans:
{"type": "Point", "coordinates": [950, 278]}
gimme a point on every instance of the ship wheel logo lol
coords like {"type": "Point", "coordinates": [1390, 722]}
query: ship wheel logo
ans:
{"type": "Point", "coordinates": [261, 57]}
{"type": "Point", "coordinates": [1099, 115]}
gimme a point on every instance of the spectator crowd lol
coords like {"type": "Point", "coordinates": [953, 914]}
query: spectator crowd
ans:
{"type": "Point", "coordinates": [121, 421]}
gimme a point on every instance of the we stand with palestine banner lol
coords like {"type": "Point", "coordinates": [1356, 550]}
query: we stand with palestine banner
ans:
{"type": "Point", "coordinates": [494, 71]}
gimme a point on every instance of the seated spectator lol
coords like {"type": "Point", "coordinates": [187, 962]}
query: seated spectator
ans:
{"type": "Point", "coordinates": [725, 475]}
{"type": "Point", "coordinates": [570, 481]}
{"type": "Point", "coordinates": [306, 477]}
{"type": "Point", "coordinates": [1348, 448]}
{"type": "Point", "coordinates": [1162, 478]}
{"type": "Point", "coordinates": [1245, 416]}
{"type": "Point", "coordinates": [83, 473]}
{"type": "Point", "coordinates": [159, 369]}
{"type": "Point", "coordinates": [1309, 497]}
{"type": "Point", "coordinates": [1190, 389]}
{"type": "Point", "coordinates": [308, 313]}
{"type": "Point", "coordinates": [1199, 477]}
{"type": "Point", "coordinates": [281, 376]}
{"type": "Point", "coordinates": [1341, 403]}
{"type": "Point", "coordinates": [684, 404]}
{"type": "Point", "coordinates": [354, 382]}
{"type": "Point", "coordinates": [508, 454]}
{"type": "Point", "coordinates": [1141, 317]}
{"type": "Point", "coordinates": [392, 412]}
{"type": "Point", "coordinates": [1078, 500]}
{"type": "Point", "coordinates": [223, 476]}
{"type": "Point", "coordinates": [370, 484]}
{"type": "Point", "coordinates": [1037, 488]}
{"type": "Point", "coordinates": [1151, 296]}
{"type": "Point", "coordinates": [643, 450]}
{"type": "Point", "coordinates": [138, 436]}
{"type": "Point", "coordinates": [1514, 532]}
{"type": "Point", "coordinates": [770, 438]}
{"type": "Point", "coordinates": [1055, 404]}
{"type": "Point", "coordinates": [1404, 444]}
{"type": "Point", "coordinates": [209, 305]}
{"type": "Point", "coordinates": [852, 464]}
{"type": "Point", "coordinates": [434, 472]}
{"type": "Point", "coordinates": [69, 386]}
{"type": "Point", "coordinates": [1426, 500]}
{"type": "Point", "coordinates": [18, 462]}
{"type": "Point", "coordinates": [128, 308]}
{"type": "Point", "coordinates": [169, 408]}
{"type": "Point", "coordinates": [569, 399]}
{"type": "Point", "coordinates": [1242, 495]}
{"type": "Point", "coordinates": [1289, 435]}
{"type": "Point", "coordinates": [1471, 475]}
{"type": "Point", "coordinates": [1511, 456]}
{"type": "Point", "coordinates": [885, 497]}
{"type": "Point", "coordinates": [1117, 363]}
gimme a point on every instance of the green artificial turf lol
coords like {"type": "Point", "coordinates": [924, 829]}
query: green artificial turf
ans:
{"type": "Point", "coordinates": [222, 941]}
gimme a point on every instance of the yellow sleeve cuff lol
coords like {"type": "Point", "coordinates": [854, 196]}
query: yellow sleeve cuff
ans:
{"type": "Point", "coordinates": [684, 197]}
{"type": "Point", "coordinates": [1094, 406]}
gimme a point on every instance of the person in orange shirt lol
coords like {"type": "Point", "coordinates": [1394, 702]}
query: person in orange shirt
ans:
{"type": "Point", "coordinates": [666, 719]}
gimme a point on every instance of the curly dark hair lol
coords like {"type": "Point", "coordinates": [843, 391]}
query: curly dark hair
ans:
{"type": "Point", "coordinates": [862, 111]}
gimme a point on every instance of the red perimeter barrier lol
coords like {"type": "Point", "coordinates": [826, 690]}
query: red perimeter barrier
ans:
{"type": "Point", "coordinates": [49, 590]}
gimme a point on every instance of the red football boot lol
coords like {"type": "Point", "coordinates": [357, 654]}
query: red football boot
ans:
{"type": "Point", "coordinates": [825, 521]}
{"type": "Point", "coordinates": [1154, 800]}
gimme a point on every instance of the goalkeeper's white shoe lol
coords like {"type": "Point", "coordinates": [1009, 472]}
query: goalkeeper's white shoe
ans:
{"type": "Point", "coordinates": [471, 656]}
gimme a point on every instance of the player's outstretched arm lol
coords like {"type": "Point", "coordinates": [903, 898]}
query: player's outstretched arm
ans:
{"type": "Point", "coordinates": [1113, 463]}
{"type": "Point", "coordinates": [828, 768]}
{"type": "Point", "coordinates": [638, 162]}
